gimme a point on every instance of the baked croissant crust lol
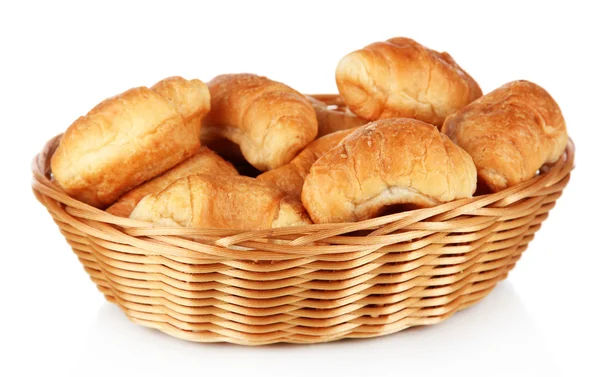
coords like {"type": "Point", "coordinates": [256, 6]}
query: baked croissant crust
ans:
{"type": "Point", "coordinates": [270, 121]}
{"type": "Point", "coordinates": [402, 78]}
{"type": "Point", "coordinates": [386, 163]}
{"type": "Point", "coordinates": [204, 161]}
{"type": "Point", "coordinates": [231, 202]}
{"type": "Point", "coordinates": [510, 133]}
{"type": "Point", "coordinates": [130, 138]}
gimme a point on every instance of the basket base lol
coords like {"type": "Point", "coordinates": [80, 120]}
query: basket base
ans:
{"type": "Point", "coordinates": [144, 319]}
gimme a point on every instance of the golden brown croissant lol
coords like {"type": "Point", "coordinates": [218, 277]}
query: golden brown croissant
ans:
{"type": "Point", "coordinates": [270, 121]}
{"type": "Point", "coordinates": [510, 133]}
{"type": "Point", "coordinates": [402, 78]}
{"type": "Point", "coordinates": [290, 177]}
{"type": "Point", "coordinates": [204, 161]}
{"type": "Point", "coordinates": [130, 138]}
{"type": "Point", "coordinates": [332, 120]}
{"type": "Point", "coordinates": [386, 163]}
{"type": "Point", "coordinates": [232, 202]}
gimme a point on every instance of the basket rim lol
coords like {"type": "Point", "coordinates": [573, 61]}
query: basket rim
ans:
{"type": "Point", "coordinates": [302, 237]}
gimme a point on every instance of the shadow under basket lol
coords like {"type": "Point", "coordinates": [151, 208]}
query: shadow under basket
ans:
{"type": "Point", "coordinates": [308, 284]}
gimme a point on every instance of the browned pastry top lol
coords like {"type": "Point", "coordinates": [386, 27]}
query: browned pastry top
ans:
{"type": "Point", "coordinates": [402, 78]}
{"type": "Point", "coordinates": [510, 133]}
{"type": "Point", "coordinates": [387, 162]}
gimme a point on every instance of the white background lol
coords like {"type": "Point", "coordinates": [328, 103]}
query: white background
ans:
{"type": "Point", "coordinates": [58, 60]}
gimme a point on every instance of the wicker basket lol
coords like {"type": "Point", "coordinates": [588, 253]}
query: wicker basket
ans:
{"type": "Point", "coordinates": [359, 280]}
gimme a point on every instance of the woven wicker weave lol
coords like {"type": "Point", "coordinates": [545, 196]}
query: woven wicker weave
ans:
{"type": "Point", "coordinates": [362, 279]}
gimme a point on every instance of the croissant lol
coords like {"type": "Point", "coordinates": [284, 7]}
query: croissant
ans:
{"type": "Point", "coordinates": [402, 78]}
{"type": "Point", "coordinates": [290, 177]}
{"type": "Point", "coordinates": [270, 121]}
{"type": "Point", "coordinates": [130, 138]}
{"type": "Point", "coordinates": [231, 202]}
{"type": "Point", "coordinates": [204, 161]}
{"type": "Point", "coordinates": [510, 133]}
{"type": "Point", "coordinates": [386, 165]}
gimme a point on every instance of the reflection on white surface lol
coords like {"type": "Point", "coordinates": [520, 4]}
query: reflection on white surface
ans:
{"type": "Point", "coordinates": [471, 340]}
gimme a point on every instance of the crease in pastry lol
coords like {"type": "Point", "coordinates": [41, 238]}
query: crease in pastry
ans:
{"type": "Point", "coordinates": [392, 196]}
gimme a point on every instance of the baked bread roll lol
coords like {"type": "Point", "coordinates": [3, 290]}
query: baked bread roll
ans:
{"type": "Point", "coordinates": [270, 121]}
{"type": "Point", "coordinates": [130, 138]}
{"type": "Point", "coordinates": [231, 202]}
{"type": "Point", "coordinates": [290, 177]}
{"type": "Point", "coordinates": [204, 161]}
{"type": "Point", "coordinates": [399, 162]}
{"type": "Point", "coordinates": [332, 120]}
{"type": "Point", "coordinates": [402, 78]}
{"type": "Point", "coordinates": [510, 133]}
